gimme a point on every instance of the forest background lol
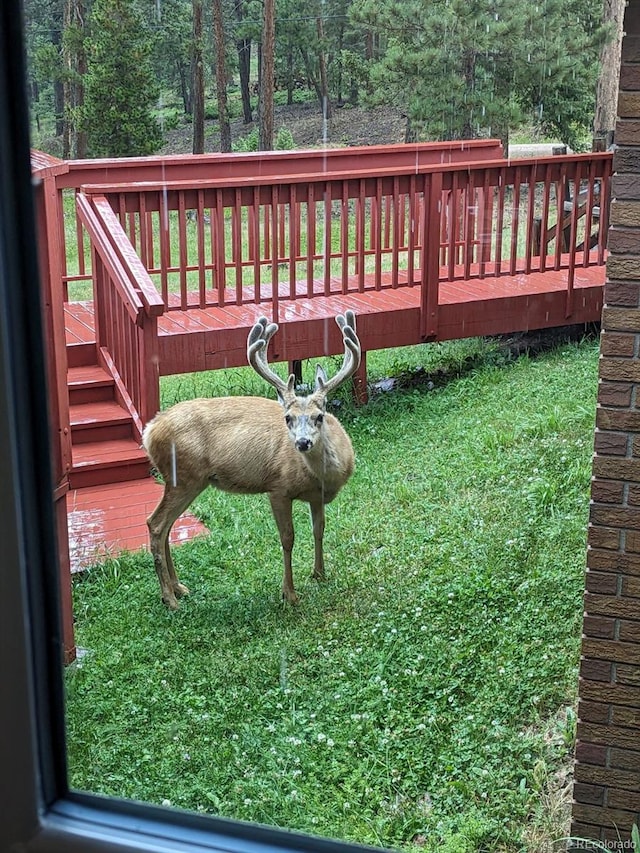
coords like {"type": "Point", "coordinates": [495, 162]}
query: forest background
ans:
{"type": "Point", "coordinates": [132, 77]}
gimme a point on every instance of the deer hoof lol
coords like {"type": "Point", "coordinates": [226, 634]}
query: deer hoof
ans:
{"type": "Point", "coordinates": [180, 589]}
{"type": "Point", "coordinates": [170, 601]}
{"type": "Point", "coordinates": [290, 596]}
{"type": "Point", "coordinates": [318, 576]}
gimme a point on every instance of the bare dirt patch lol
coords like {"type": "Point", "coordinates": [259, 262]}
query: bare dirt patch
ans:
{"type": "Point", "coordinates": [348, 126]}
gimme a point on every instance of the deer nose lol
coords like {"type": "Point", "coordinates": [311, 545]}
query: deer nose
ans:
{"type": "Point", "coordinates": [303, 444]}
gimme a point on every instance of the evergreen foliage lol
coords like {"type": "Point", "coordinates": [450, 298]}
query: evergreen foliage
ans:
{"type": "Point", "coordinates": [455, 68]}
{"type": "Point", "coordinates": [121, 88]}
{"type": "Point", "coordinates": [470, 68]}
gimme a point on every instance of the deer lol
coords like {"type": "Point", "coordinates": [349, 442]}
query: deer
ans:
{"type": "Point", "coordinates": [292, 449]}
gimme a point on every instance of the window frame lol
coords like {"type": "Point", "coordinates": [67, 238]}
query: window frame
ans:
{"type": "Point", "coordinates": [39, 812]}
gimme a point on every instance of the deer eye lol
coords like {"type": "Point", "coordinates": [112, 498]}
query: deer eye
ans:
{"type": "Point", "coordinates": [288, 420]}
{"type": "Point", "coordinates": [319, 419]}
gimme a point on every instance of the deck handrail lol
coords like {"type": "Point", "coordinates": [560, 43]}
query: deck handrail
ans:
{"type": "Point", "coordinates": [127, 306]}
{"type": "Point", "coordinates": [271, 163]}
{"type": "Point", "coordinates": [138, 275]}
{"type": "Point", "coordinates": [404, 170]}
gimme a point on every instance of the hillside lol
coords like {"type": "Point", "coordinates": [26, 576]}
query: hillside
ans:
{"type": "Point", "coordinates": [348, 126]}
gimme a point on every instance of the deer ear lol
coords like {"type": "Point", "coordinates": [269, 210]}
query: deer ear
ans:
{"type": "Point", "coordinates": [289, 391]}
{"type": "Point", "coordinates": [321, 378]}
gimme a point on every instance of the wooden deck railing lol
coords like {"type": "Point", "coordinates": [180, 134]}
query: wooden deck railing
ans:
{"type": "Point", "coordinates": [69, 176]}
{"type": "Point", "coordinates": [254, 240]}
{"type": "Point", "coordinates": [127, 306]}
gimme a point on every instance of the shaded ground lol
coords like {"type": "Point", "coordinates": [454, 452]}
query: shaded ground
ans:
{"type": "Point", "coordinates": [348, 126]}
{"type": "Point", "coordinates": [509, 347]}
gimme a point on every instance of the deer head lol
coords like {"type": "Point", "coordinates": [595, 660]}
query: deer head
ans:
{"type": "Point", "coordinates": [304, 416]}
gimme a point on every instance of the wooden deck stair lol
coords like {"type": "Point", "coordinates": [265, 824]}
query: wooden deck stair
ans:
{"type": "Point", "coordinates": [104, 448]}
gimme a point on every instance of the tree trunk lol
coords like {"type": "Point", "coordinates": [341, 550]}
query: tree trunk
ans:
{"type": "Point", "coordinates": [74, 139]}
{"type": "Point", "coordinates": [607, 89]}
{"type": "Point", "coordinates": [244, 66]}
{"type": "Point", "coordinates": [185, 91]}
{"type": "Point", "coordinates": [58, 87]}
{"type": "Point", "coordinates": [325, 103]}
{"type": "Point", "coordinates": [221, 77]}
{"type": "Point", "coordinates": [197, 87]}
{"type": "Point", "coordinates": [265, 136]}
{"type": "Point", "coordinates": [243, 47]}
{"type": "Point", "coordinates": [290, 73]}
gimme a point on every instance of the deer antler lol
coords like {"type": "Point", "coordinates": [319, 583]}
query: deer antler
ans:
{"type": "Point", "coordinates": [257, 344]}
{"type": "Point", "coordinates": [263, 331]}
{"type": "Point", "coordinates": [352, 354]}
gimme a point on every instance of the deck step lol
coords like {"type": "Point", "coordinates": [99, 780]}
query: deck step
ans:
{"type": "Point", "coordinates": [114, 461]}
{"type": "Point", "coordinates": [81, 354]}
{"type": "Point", "coordinates": [101, 420]}
{"type": "Point", "coordinates": [103, 444]}
{"type": "Point", "coordinates": [89, 384]}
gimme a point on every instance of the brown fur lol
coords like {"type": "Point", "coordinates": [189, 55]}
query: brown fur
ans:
{"type": "Point", "coordinates": [244, 445]}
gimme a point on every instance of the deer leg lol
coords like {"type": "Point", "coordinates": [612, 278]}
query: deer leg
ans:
{"type": "Point", "coordinates": [179, 588]}
{"type": "Point", "coordinates": [174, 502]}
{"type": "Point", "coordinates": [282, 512]}
{"type": "Point", "coordinates": [317, 519]}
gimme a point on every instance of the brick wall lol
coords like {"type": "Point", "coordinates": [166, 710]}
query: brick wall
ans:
{"type": "Point", "coordinates": [607, 770]}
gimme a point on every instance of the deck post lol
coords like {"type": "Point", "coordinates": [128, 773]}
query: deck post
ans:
{"type": "Point", "coordinates": [430, 261]}
{"type": "Point", "coordinates": [360, 388]}
{"type": "Point", "coordinates": [50, 257]}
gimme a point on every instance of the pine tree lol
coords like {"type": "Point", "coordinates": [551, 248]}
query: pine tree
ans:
{"type": "Point", "coordinates": [120, 85]}
{"type": "Point", "coordinates": [466, 68]}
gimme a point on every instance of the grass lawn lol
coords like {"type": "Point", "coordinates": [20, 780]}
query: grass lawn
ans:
{"type": "Point", "coordinates": [419, 698]}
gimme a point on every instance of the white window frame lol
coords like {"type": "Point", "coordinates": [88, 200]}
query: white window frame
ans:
{"type": "Point", "coordinates": [38, 813]}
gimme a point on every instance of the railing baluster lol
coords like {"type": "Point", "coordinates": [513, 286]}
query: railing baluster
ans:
{"type": "Point", "coordinates": [311, 238]}
{"type": "Point", "coordinates": [183, 253]}
{"type": "Point", "coordinates": [486, 221]}
{"type": "Point", "coordinates": [515, 223]}
{"type": "Point", "coordinates": [165, 245]}
{"type": "Point", "coordinates": [80, 244]}
{"type": "Point", "coordinates": [202, 272]}
{"type": "Point", "coordinates": [502, 179]}
{"type": "Point", "coordinates": [328, 229]}
{"type": "Point", "coordinates": [294, 239]}
{"type": "Point", "coordinates": [561, 187]}
{"type": "Point", "coordinates": [588, 222]}
{"type": "Point", "coordinates": [469, 236]}
{"type": "Point", "coordinates": [573, 233]}
{"type": "Point", "coordinates": [236, 242]}
{"type": "Point", "coordinates": [360, 259]}
{"type": "Point", "coordinates": [411, 236]}
{"type": "Point", "coordinates": [395, 233]}
{"type": "Point", "coordinates": [376, 217]}
{"type": "Point", "coordinates": [275, 293]}
{"type": "Point", "coordinates": [453, 211]}
{"type": "Point", "coordinates": [344, 236]}
{"type": "Point", "coordinates": [254, 226]}
{"type": "Point", "coordinates": [144, 230]}
{"type": "Point", "coordinates": [531, 202]}
{"type": "Point", "coordinates": [218, 246]}
{"type": "Point", "coordinates": [544, 219]}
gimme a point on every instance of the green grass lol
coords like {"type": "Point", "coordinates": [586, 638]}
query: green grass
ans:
{"type": "Point", "coordinates": [418, 698]}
